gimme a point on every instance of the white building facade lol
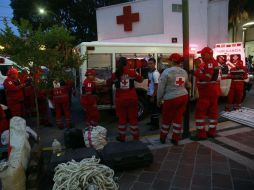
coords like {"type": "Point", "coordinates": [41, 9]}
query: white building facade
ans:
{"type": "Point", "coordinates": [160, 21]}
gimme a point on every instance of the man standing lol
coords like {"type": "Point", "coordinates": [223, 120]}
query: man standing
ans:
{"type": "Point", "coordinates": [238, 74]}
{"type": "Point", "coordinates": [172, 92]}
{"type": "Point", "coordinates": [209, 90]}
{"type": "Point", "coordinates": [153, 80]}
{"type": "Point", "coordinates": [61, 103]}
{"type": "Point", "coordinates": [14, 93]}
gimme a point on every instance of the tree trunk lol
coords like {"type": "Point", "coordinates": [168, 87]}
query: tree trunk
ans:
{"type": "Point", "coordinates": [36, 99]}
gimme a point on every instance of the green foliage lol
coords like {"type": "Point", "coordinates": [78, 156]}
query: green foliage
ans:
{"type": "Point", "coordinates": [78, 16]}
{"type": "Point", "coordinates": [57, 54]}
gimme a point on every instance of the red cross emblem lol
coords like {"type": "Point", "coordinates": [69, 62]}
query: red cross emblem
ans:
{"type": "Point", "coordinates": [127, 18]}
{"type": "Point", "coordinates": [179, 81]}
{"type": "Point", "coordinates": [124, 82]}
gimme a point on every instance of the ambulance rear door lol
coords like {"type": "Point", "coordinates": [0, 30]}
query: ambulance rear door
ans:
{"type": "Point", "coordinates": [228, 53]}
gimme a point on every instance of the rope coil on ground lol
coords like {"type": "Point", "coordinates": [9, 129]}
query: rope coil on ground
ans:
{"type": "Point", "coordinates": [84, 175]}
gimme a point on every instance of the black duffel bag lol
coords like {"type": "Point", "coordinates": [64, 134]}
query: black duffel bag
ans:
{"type": "Point", "coordinates": [128, 155]}
{"type": "Point", "coordinates": [73, 138]}
{"type": "Point", "coordinates": [71, 154]}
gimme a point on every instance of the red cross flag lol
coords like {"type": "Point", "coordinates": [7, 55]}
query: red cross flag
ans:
{"type": "Point", "coordinates": [130, 19]}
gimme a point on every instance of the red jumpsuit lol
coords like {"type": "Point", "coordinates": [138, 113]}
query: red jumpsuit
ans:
{"type": "Point", "coordinates": [207, 104]}
{"type": "Point", "coordinates": [15, 96]}
{"type": "Point", "coordinates": [29, 97]}
{"type": "Point", "coordinates": [126, 101]}
{"type": "Point", "coordinates": [61, 103]}
{"type": "Point", "coordinates": [4, 123]}
{"type": "Point", "coordinates": [238, 74]}
{"type": "Point", "coordinates": [89, 102]}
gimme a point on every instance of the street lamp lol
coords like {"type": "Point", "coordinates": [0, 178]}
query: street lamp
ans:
{"type": "Point", "coordinates": [2, 47]}
{"type": "Point", "coordinates": [41, 11]}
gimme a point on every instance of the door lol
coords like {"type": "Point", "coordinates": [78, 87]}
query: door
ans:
{"type": "Point", "coordinates": [102, 63]}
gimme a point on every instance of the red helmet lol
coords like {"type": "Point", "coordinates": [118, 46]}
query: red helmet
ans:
{"type": "Point", "coordinates": [175, 57]}
{"type": "Point", "coordinates": [206, 50]}
{"type": "Point", "coordinates": [12, 71]}
{"type": "Point", "coordinates": [90, 72]}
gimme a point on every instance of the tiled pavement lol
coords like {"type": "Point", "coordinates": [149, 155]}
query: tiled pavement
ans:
{"type": "Point", "coordinates": [211, 165]}
{"type": "Point", "coordinates": [191, 166]}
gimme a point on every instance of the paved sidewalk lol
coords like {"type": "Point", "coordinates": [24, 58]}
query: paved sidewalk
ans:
{"type": "Point", "coordinates": [224, 163]}
{"type": "Point", "coordinates": [190, 166]}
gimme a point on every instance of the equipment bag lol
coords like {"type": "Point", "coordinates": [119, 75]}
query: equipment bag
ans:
{"type": "Point", "coordinates": [128, 155]}
{"type": "Point", "coordinates": [73, 138]}
{"type": "Point", "coordinates": [71, 154]}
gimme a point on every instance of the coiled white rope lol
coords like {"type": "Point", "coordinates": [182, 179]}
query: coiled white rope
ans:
{"type": "Point", "coordinates": [87, 174]}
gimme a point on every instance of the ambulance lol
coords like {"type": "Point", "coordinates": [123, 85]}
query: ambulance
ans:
{"type": "Point", "coordinates": [225, 54]}
{"type": "Point", "coordinates": [102, 56]}
{"type": "Point", "coordinates": [5, 65]}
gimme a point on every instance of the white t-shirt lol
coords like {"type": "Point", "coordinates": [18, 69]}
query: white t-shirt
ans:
{"type": "Point", "coordinates": [153, 78]}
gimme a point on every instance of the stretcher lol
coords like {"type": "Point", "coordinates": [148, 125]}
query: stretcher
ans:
{"type": "Point", "coordinates": [243, 116]}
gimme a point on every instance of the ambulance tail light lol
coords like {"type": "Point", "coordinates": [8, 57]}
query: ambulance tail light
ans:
{"type": "Point", "coordinates": [2, 60]}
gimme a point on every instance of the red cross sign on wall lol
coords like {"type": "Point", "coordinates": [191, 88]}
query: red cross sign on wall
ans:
{"type": "Point", "coordinates": [127, 18]}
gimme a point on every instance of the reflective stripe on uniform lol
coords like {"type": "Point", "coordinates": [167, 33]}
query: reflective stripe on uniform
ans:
{"type": "Point", "coordinates": [200, 127]}
{"type": "Point", "coordinates": [210, 82]}
{"type": "Point", "coordinates": [177, 125]}
{"type": "Point", "coordinates": [211, 126]}
{"type": "Point", "coordinates": [134, 127]}
{"type": "Point", "coordinates": [200, 120]}
{"type": "Point", "coordinates": [176, 131]}
{"type": "Point", "coordinates": [121, 126]}
{"type": "Point", "coordinates": [164, 131]}
{"type": "Point", "coordinates": [165, 126]}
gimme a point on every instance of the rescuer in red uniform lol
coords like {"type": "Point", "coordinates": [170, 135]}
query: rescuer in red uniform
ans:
{"type": "Point", "coordinates": [29, 97]}
{"type": "Point", "coordinates": [14, 93]}
{"type": "Point", "coordinates": [126, 99]}
{"type": "Point", "coordinates": [174, 95]}
{"type": "Point", "coordinates": [238, 74]}
{"type": "Point", "coordinates": [89, 99]}
{"type": "Point", "coordinates": [4, 123]}
{"type": "Point", "coordinates": [60, 97]}
{"type": "Point", "coordinates": [209, 90]}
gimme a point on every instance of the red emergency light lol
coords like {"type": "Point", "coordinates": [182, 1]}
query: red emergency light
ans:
{"type": "Point", "coordinates": [2, 60]}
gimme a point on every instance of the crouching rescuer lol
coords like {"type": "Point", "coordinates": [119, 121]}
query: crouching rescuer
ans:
{"type": "Point", "coordinates": [126, 99]}
{"type": "Point", "coordinates": [173, 96]}
{"type": "Point", "coordinates": [209, 91]}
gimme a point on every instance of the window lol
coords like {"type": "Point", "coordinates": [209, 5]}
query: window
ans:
{"type": "Point", "coordinates": [4, 69]}
{"type": "Point", "coordinates": [102, 63]}
{"type": "Point", "coordinates": [176, 8]}
{"type": "Point", "coordinates": [137, 62]}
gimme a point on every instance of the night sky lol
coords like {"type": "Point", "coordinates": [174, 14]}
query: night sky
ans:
{"type": "Point", "coordinates": [6, 11]}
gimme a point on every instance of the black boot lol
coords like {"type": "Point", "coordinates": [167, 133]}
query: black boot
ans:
{"type": "Point", "coordinates": [155, 124]}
